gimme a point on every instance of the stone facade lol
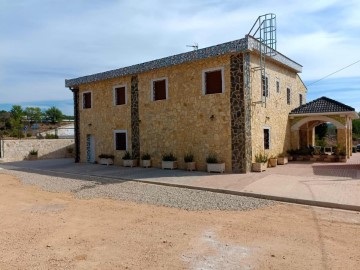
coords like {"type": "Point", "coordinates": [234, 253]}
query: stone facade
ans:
{"type": "Point", "coordinates": [274, 113]}
{"type": "Point", "coordinates": [228, 124]}
{"type": "Point", "coordinates": [16, 150]}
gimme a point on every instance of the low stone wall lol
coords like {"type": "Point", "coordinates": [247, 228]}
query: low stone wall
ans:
{"type": "Point", "coordinates": [16, 150]}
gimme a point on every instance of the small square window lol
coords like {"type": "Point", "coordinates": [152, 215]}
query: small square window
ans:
{"type": "Point", "coordinates": [87, 100]}
{"type": "Point", "coordinates": [265, 86]}
{"type": "Point", "coordinates": [121, 140]}
{"type": "Point", "coordinates": [277, 86]}
{"type": "Point", "coordinates": [120, 95]}
{"type": "Point", "coordinates": [266, 138]}
{"type": "Point", "coordinates": [159, 89]}
{"type": "Point", "coordinates": [213, 81]}
{"type": "Point", "coordinates": [288, 96]}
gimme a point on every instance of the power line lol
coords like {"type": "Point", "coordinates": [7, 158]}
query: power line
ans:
{"type": "Point", "coordinates": [334, 72]}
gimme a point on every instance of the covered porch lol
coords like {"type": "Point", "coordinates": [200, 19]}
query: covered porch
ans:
{"type": "Point", "coordinates": [305, 118]}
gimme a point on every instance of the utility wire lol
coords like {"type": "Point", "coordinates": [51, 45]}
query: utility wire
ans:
{"type": "Point", "coordinates": [334, 72]}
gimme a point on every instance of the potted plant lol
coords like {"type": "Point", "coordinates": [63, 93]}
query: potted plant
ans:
{"type": "Point", "coordinates": [190, 163]}
{"type": "Point", "coordinates": [291, 153]}
{"type": "Point", "coordinates": [146, 160]}
{"type": "Point", "coordinates": [169, 161]}
{"type": "Point", "coordinates": [282, 159]}
{"type": "Point", "coordinates": [106, 159]}
{"type": "Point", "coordinates": [273, 160]}
{"type": "Point", "coordinates": [33, 154]}
{"type": "Point", "coordinates": [260, 164]}
{"type": "Point", "coordinates": [128, 160]}
{"type": "Point", "coordinates": [213, 165]}
{"type": "Point", "coordinates": [316, 154]}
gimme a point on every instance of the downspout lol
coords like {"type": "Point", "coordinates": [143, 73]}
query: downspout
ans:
{"type": "Point", "coordinates": [77, 123]}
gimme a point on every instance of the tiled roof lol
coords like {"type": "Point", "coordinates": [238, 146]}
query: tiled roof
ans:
{"type": "Point", "coordinates": [240, 45]}
{"type": "Point", "coordinates": [322, 105]}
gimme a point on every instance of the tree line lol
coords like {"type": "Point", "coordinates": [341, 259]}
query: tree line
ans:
{"type": "Point", "coordinates": [17, 119]}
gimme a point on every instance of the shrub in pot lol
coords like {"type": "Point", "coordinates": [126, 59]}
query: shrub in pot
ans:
{"type": "Point", "coordinates": [213, 165]}
{"type": "Point", "coordinates": [146, 160]}
{"type": "Point", "coordinates": [106, 159]}
{"type": "Point", "coordinates": [260, 164]}
{"type": "Point", "coordinates": [189, 161]}
{"type": "Point", "coordinates": [128, 160]}
{"type": "Point", "coordinates": [169, 161]}
{"type": "Point", "coordinates": [282, 159]}
{"type": "Point", "coordinates": [273, 161]}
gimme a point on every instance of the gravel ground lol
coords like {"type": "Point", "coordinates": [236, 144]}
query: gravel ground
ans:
{"type": "Point", "coordinates": [94, 187]}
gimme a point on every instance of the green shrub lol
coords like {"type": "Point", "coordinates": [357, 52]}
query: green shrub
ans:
{"type": "Point", "coordinates": [189, 157]}
{"type": "Point", "coordinates": [33, 152]}
{"type": "Point", "coordinates": [261, 158]}
{"type": "Point", "coordinates": [127, 156]}
{"type": "Point", "coordinates": [146, 156]}
{"type": "Point", "coordinates": [212, 158]}
{"type": "Point", "coordinates": [169, 157]}
{"type": "Point", "coordinates": [51, 136]}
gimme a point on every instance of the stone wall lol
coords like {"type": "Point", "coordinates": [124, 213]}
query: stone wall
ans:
{"type": "Point", "coordinates": [180, 124]}
{"type": "Point", "coordinates": [274, 114]}
{"type": "Point", "coordinates": [16, 150]}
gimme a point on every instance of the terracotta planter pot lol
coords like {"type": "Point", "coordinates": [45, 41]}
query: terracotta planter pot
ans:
{"type": "Point", "coordinates": [216, 167]}
{"type": "Point", "coordinates": [129, 162]}
{"type": "Point", "coordinates": [146, 163]}
{"type": "Point", "coordinates": [191, 166]}
{"type": "Point", "coordinates": [259, 167]}
{"type": "Point", "coordinates": [273, 162]}
{"type": "Point", "coordinates": [282, 160]}
{"type": "Point", "coordinates": [169, 165]}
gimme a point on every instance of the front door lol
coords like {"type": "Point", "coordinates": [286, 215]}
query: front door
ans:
{"type": "Point", "coordinates": [90, 148]}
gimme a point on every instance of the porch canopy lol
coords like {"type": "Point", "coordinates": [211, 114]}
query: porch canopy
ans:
{"type": "Point", "coordinates": [305, 118]}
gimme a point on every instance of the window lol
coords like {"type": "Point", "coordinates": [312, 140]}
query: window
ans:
{"type": "Point", "coordinates": [277, 86]}
{"type": "Point", "coordinates": [120, 140]}
{"type": "Point", "coordinates": [288, 95]}
{"type": "Point", "coordinates": [300, 99]}
{"type": "Point", "coordinates": [120, 97]}
{"type": "Point", "coordinates": [265, 86]}
{"type": "Point", "coordinates": [87, 100]}
{"type": "Point", "coordinates": [213, 81]}
{"type": "Point", "coordinates": [159, 89]}
{"type": "Point", "coordinates": [266, 138]}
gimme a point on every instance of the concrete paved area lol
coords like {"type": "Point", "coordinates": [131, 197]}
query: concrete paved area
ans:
{"type": "Point", "coordinates": [323, 184]}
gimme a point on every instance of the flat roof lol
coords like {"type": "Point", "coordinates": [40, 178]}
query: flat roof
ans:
{"type": "Point", "coordinates": [241, 45]}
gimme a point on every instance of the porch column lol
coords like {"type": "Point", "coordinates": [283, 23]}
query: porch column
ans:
{"type": "Point", "coordinates": [295, 139]}
{"type": "Point", "coordinates": [342, 139]}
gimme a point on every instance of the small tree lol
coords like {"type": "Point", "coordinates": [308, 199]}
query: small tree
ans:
{"type": "Point", "coordinates": [54, 115]}
{"type": "Point", "coordinates": [33, 114]}
{"type": "Point", "coordinates": [17, 112]}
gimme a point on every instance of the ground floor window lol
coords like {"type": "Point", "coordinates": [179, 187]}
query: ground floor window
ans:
{"type": "Point", "coordinates": [120, 140]}
{"type": "Point", "coordinates": [266, 138]}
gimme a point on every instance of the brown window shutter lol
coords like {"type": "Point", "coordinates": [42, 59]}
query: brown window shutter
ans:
{"type": "Point", "coordinates": [159, 88]}
{"type": "Point", "coordinates": [120, 95]}
{"type": "Point", "coordinates": [213, 82]}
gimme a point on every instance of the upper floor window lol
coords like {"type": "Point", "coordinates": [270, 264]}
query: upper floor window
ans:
{"type": "Point", "coordinates": [301, 99]}
{"type": "Point", "coordinates": [159, 89]}
{"type": "Point", "coordinates": [120, 96]}
{"type": "Point", "coordinates": [265, 86]}
{"type": "Point", "coordinates": [87, 100]}
{"type": "Point", "coordinates": [277, 86]}
{"type": "Point", "coordinates": [213, 81]}
{"type": "Point", "coordinates": [288, 96]}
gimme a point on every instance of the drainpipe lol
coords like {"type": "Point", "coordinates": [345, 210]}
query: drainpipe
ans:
{"type": "Point", "coordinates": [77, 123]}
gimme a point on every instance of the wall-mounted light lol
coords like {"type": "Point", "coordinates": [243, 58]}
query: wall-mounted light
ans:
{"type": "Point", "coordinates": [212, 117]}
{"type": "Point", "coordinates": [90, 125]}
{"type": "Point", "coordinates": [267, 118]}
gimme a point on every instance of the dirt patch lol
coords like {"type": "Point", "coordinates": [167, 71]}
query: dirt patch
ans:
{"type": "Point", "coordinates": [42, 230]}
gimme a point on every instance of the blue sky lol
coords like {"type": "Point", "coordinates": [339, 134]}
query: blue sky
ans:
{"type": "Point", "coordinates": [44, 42]}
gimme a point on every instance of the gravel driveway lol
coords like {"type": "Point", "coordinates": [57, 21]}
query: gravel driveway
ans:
{"type": "Point", "coordinates": [92, 187]}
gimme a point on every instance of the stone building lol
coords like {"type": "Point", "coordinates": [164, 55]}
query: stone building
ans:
{"type": "Point", "coordinates": [208, 101]}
